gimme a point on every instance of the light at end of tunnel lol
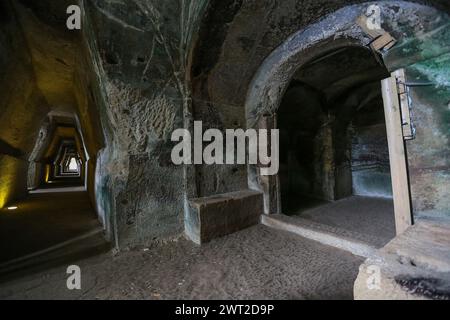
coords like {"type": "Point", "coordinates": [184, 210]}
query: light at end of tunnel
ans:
{"type": "Point", "coordinates": [12, 208]}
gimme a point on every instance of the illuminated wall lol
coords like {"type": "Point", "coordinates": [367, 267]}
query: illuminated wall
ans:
{"type": "Point", "coordinates": [21, 107]}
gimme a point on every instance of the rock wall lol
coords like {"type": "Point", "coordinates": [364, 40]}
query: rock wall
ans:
{"type": "Point", "coordinates": [141, 52]}
{"type": "Point", "coordinates": [22, 107]}
{"type": "Point", "coordinates": [371, 172]}
{"type": "Point", "coordinates": [429, 153]}
{"type": "Point", "coordinates": [424, 52]}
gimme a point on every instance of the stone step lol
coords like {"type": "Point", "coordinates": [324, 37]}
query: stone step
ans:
{"type": "Point", "coordinates": [352, 242]}
{"type": "Point", "coordinates": [413, 266]}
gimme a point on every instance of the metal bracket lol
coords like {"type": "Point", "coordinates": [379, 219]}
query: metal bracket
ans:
{"type": "Point", "coordinates": [381, 39]}
{"type": "Point", "coordinates": [409, 131]}
{"type": "Point", "coordinates": [383, 42]}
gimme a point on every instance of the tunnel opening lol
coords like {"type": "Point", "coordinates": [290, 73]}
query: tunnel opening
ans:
{"type": "Point", "coordinates": [66, 163]}
{"type": "Point", "coordinates": [334, 157]}
{"type": "Point", "coordinates": [56, 221]}
{"type": "Point", "coordinates": [52, 132]}
{"type": "Point", "coordinates": [59, 157]}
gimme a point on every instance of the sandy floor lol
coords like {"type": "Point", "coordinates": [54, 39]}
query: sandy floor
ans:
{"type": "Point", "coordinates": [256, 263]}
{"type": "Point", "coordinates": [43, 220]}
{"type": "Point", "coordinates": [364, 215]}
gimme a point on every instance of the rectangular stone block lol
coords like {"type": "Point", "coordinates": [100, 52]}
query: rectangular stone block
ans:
{"type": "Point", "coordinates": [219, 215]}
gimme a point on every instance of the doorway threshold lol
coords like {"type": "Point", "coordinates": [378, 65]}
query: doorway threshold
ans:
{"type": "Point", "coordinates": [353, 242]}
{"type": "Point", "coordinates": [58, 190]}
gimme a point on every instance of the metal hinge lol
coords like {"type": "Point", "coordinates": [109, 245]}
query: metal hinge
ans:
{"type": "Point", "coordinates": [409, 131]}
{"type": "Point", "coordinates": [406, 104]}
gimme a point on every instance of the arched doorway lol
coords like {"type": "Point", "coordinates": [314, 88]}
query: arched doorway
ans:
{"type": "Point", "coordinates": [334, 155]}
{"type": "Point", "coordinates": [313, 45]}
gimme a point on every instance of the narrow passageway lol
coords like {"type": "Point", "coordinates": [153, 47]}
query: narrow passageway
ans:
{"type": "Point", "coordinates": [49, 142]}
{"type": "Point", "coordinates": [56, 220]}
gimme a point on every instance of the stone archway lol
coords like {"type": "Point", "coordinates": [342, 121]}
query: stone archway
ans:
{"type": "Point", "coordinates": [337, 30]}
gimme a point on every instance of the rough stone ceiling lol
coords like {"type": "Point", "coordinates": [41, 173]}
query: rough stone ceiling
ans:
{"type": "Point", "coordinates": [63, 133]}
{"type": "Point", "coordinates": [335, 73]}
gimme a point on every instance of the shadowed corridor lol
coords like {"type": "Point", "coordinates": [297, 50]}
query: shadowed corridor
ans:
{"type": "Point", "coordinates": [45, 221]}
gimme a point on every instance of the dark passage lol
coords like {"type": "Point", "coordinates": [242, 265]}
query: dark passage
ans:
{"type": "Point", "coordinates": [50, 136]}
{"type": "Point", "coordinates": [334, 155]}
{"type": "Point", "coordinates": [56, 222]}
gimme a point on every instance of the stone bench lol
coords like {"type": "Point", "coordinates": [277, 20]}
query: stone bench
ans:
{"type": "Point", "coordinates": [219, 215]}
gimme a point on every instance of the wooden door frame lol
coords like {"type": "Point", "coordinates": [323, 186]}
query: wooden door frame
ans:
{"type": "Point", "coordinates": [397, 151]}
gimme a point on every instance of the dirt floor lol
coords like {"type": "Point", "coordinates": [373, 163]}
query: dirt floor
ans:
{"type": "Point", "coordinates": [44, 220]}
{"type": "Point", "coordinates": [364, 215]}
{"type": "Point", "coordinates": [256, 263]}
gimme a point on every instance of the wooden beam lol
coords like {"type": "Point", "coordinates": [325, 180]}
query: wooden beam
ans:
{"type": "Point", "coordinates": [397, 155]}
